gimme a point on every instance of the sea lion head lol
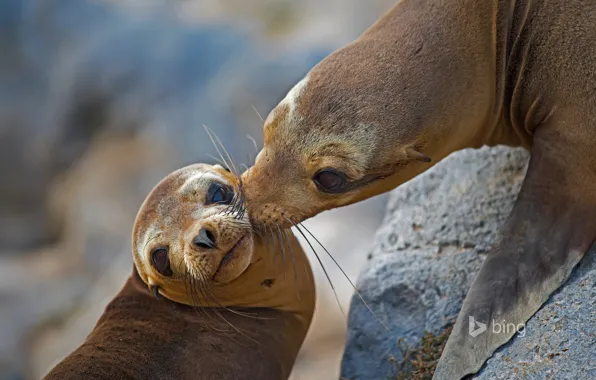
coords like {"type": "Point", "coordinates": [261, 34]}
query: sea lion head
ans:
{"type": "Point", "coordinates": [332, 141]}
{"type": "Point", "coordinates": [188, 232]}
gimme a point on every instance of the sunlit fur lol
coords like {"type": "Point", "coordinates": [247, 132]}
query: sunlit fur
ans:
{"type": "Point", "coordinates": [173, 214]}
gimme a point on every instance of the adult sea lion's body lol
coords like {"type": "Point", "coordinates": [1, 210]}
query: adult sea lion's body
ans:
{"type": "Point", "coordinates": [430, 78]}
{"type": "Point", "coordinates": [221, 305]}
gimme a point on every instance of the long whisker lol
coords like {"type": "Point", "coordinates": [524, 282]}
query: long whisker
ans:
{"type": "Point", "coordinates": [218, 160]}
{"type": "Point", "coordinates": [196, 300]}
{"type": "Point", "coordinates": [254, 143]}
{"type": "Point", "coordinates": [223, 160]}
{"type": "Point", "coordinates": [225, 151]}
{"type": "Point", "coordinates": [203, 292]}
{"type": "Point", "coordinates": [322, 266]}
{"type": "Point", "coordinates": [258, 114]}
{"type": "Point", "coordinates": [265, 234]}
{"type": "Point", "coordinates": [345, 275]}
{"type": "Point", "coordinates": [283, 250]}
{"type": "Point", "coordinates": [206, 292]}
{"type": "Point", "coordinates": [237, 208]}
{"type": "Point", "coordinates": [289, 241]}
{"type": "Point", "coordinates": [213, 297]}
{"type": "Point", "coordinates": [227, 209]}
{"type": "Point", "coordinates": [273, 241]}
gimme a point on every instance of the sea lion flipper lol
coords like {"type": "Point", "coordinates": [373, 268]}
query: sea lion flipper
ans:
{"type": "Point", "coordinates": [550, 228]}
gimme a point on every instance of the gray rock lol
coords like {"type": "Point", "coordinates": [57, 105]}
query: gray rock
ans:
{"type": "Point", "coordinates": [435, 235]}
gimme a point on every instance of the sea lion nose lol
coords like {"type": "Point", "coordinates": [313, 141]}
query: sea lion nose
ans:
{"type": "Point", "coordinates": [204, 240]}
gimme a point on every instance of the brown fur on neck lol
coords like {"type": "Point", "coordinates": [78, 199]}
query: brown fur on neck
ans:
{"type": "Point", "coordinates": [139, 337]}
{"type": "Point", "coordinates": [428, 76]}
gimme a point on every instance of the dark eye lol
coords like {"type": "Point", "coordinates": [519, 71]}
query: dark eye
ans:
{"type": "Point", "coordinates": [218, 193]}
{"type": "Point", "coordinates": [330, 180]}
{"type": "Point", "coordinates": [160, 261]}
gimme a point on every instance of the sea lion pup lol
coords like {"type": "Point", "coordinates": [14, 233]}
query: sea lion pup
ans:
{"type": "Point", "coordinates": [430, 78]}
{"type": "Point", "coordinates": [208, 299]}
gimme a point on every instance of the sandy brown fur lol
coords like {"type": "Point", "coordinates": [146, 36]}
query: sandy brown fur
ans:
{"type": "Point", "coordinates": [435, 77]}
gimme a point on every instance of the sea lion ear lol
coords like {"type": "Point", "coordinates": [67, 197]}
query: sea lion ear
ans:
{"type": "Point", "coordinates": [416, 155]}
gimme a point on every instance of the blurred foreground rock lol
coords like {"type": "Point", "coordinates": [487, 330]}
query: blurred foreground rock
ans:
{"type": "Point", "coordinates": [437, 231]}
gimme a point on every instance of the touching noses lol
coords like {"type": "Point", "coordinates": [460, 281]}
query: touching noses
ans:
{"type": "Point", "coordinates": [204, 240]}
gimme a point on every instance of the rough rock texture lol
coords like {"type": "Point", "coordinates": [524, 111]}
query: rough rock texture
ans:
{"type": "Point", "coordinates": [436, 233]}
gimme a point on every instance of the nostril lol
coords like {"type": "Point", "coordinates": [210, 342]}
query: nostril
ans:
{"type": "Point", "coordinates": [204, 239]}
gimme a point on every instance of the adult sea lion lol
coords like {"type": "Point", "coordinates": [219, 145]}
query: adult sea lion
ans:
{"type": "Point", "coordinates": [207, 299]}
{"type": "Point", "coordinates": [430, 78]}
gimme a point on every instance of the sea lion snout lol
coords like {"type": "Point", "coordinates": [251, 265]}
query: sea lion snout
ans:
{"type": "Point", "coordinates": [204, 240]}
{"type": "Point", "coordinates": [217, 248]}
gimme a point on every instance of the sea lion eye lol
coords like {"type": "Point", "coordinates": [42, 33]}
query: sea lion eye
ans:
{"type": "Point", "coordinates": [220, 194]}
{"type": "Point", "coordinates": [330, 180]}
{"type": "Point", "coordinates": [160, 261]}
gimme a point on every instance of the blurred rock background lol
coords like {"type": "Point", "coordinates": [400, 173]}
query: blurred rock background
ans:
{"type": "Point", "coordinates": [99, 99]}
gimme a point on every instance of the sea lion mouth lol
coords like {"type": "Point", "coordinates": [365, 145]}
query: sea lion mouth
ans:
{"type": "Point", "coordinates": [229, 257]}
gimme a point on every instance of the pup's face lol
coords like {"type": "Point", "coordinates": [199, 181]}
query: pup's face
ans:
{"type": "Point", "coordinates": [187, 234]}
{"type": "Point", "coordinates": [323, 149]}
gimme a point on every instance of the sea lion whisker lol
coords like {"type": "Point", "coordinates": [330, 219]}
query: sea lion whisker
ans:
{"type": "Point", "coordinates": [237, 207]}
{"type": "Point", "coordinates": [260, 117]}
{"type": "Point", "coordinates": [212, 132]}
{"type": "Point", "coordinates": [220, 315]}
{"type": "Point", "coordinates": [322, 266]}
{"type": "Point", "coordinates": [211, 291]}
{"type": "Point", "coordinates": [345, 275]}
{"type": "Point", "coordinates": [289, 242]}
{"type": "Point", "coordinates": [208, 130]}
{"type": "Point", "coordinates": [192, 289]}
{"type": "Point", "coordinates": [229, 207]}
{"type": "Point", "coordinates": [203, 292]}
{"type": "Point", "coordinates": [274, 250]}
{"type": "Point", "coordinates": [249, 161]}
{"type": "Point", "coordinates": [241, 201]}
{"type": "Point", "coordinates": [218, 160]}
{"type": "Point", "coordinates": [283, 250]}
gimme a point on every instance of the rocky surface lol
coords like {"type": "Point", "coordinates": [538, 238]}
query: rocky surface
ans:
{"type": "Point", "coordinates": [435, 235]}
